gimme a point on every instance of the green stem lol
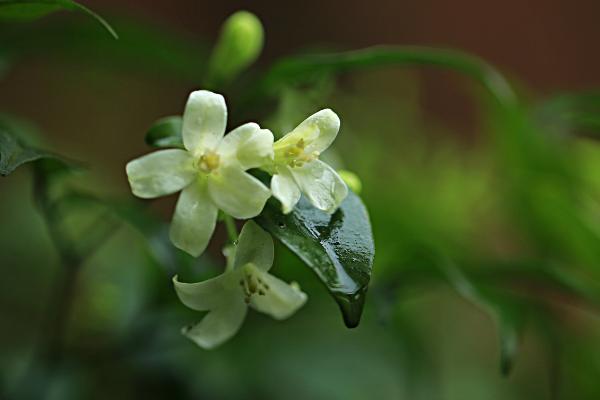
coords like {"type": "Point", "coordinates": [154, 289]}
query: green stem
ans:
{"type": "Point", "coordinates": [231, 228]}
{"type": "Point", "coordinates": [60, 305]}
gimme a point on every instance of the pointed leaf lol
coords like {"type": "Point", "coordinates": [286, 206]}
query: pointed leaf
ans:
{"type": "Point", "coordinates": [14, 153]}
{"type": "Point", "coordinates": [339, 248]}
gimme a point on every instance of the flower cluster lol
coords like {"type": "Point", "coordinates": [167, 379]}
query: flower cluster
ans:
{"type": "Point", "coordinates": [211, 171]}
{"type": "Point", "coordinates": [212, 175]}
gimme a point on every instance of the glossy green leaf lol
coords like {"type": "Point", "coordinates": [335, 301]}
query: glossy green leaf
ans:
{"type": "Point", "coordinates": [339, 248]}
{"type": "Point", "coordinates": [508, 316]}
{"type": "Point", "coordinates": [33, 9]}
{"type": "Point", "coordinates": [166, 132]}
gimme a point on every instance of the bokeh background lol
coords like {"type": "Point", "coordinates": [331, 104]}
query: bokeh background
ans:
{"type": "Point", "coordinates": [438, 182]}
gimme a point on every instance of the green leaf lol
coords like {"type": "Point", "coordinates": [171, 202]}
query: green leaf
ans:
{"type": "Point", "coordinates": [303, 69]}
{"type": "Point", "coordinates": [25, 10]}
{"type": "Point", "coordinates": [299, 69]}
{"type": "Point", "coordinates": [339, 248]}
{"type": "Point", "coordinates": [18, 146]}
{"type": "Point", "coordinates": [166, 132]}
{"type": "Point", "coordinates": [507, 315]}
{"type": "Point", "coordinates": [14, 153]}
{"type": "Point", "coordinates": [135, 214]}
{"type": "Point", "coordinates": [142, 48]}
{"type": "Point", "coordinates": [573, 113]}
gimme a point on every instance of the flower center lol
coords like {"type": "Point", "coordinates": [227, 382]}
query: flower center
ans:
{"type": "Point", "coordinates": [294, 154]}
{"type": "Point", "coordinates": [209, 161]}
{"type": "Point", "coordinates": [252, 285]}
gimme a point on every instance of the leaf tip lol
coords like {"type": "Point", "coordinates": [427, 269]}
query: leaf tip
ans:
{"type": "Point", "coordinates": [351, 307]}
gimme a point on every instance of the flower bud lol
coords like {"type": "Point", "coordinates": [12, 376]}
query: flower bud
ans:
{"type": "Point", "coordinates": [351, 179]}
{"type": "Point", "coordinates": [239, 45]}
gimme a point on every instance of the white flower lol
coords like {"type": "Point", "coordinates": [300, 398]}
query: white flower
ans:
{"type": "Point", "coordinates": [210, 171]}
{"type": "Point", "coordinates": [246, 282]}
{"type": "Point", "coordinates": [297, 169]}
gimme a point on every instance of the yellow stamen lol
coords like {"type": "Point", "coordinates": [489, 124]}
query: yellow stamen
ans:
{"type": "Point", "coordinates": [209, 161]}
{"type": "Point", "coordinates": [252, 285]}
{"type": "Point", "coordinates": [294, 155]}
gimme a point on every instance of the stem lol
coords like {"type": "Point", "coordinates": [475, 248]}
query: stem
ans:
{"type": "Point", "coordinates": [231, 228]}
{"type": "Point", "coordinates": [59, 306]}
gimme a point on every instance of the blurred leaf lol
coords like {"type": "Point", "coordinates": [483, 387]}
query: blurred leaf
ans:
{"type": "Point", "coordinates": [575, 113]}
{"type": "Point", "coordinates": [239, 45]}
{"type": "Point", "coordinates": [135, 214]}
{"type": "Point", "coordinates": [33, 9]}
{"type": "Point", "coordinates": [141, 47]}
{"type": "Point", "coordinates": [339, 247]}
{"type": "Point", "coordinates": [156, 233]}
{"type": "Point", "coordinates": [300, 69]}
{"type": "Point", "coordinates": [166, 132]}
{"type": "Point", "coordinates": [14, 153]}
{"type": "Point", "coordinates": [564, 283]}
{"type": "Point", "coordinates": [544, 189]}
{"type": "Point", "coordinates": [508, 317]}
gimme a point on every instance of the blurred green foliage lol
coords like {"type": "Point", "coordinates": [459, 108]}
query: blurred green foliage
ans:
{"type": "Point", "coordinates": [492, 242]}
{"type": "Point", "coordinates": [26, 10]}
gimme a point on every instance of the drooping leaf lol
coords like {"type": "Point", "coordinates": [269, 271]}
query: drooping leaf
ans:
{"type": "Point", "coordinates": [339, 248]}
{"type": "Point", "coordinates": [305, 68]}
{"type": "Point", "coordinates": [14, 153]}
{"type": "Point", "coordinates": [166, 132]}
{"type": "Point", "coordinates": [19, 145]}
{"type": "Point", "coordinates": [25, 10]}
{"type": "Point", "coordinates": [508, 316]}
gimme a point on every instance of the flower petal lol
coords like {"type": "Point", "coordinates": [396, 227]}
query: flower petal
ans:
{"type": "Point", "coordinates": [237, 193]}
{"type": "Point", "coordinates": [254, 246]}
{"type": "Point", "coordinates": [194, 219]}
{"type": "Point", "coordinates": [280, 300]}
{"type": "Point", "coordinates": [285, 190]}
{"type": "Point", "coordinates": [317, 131]}
{"type": "Point", "coordinates": [160, 173]}
{"type": "Point", "coordinates": [321, 184]}
{"type": "Point", "coordinates": [219, 325]}
{"type": "Point", "coordinates": [247, 145]}
{"type": "Point", "coordinates": [204, 121]}
{"type": "Point", "coordinates": [206, 295]}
